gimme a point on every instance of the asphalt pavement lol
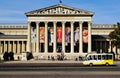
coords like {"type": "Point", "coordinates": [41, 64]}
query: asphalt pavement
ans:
{"type": "Point", "coordinates": [56, 69]}
{"type": "Point", "coordinates": [43, 65]}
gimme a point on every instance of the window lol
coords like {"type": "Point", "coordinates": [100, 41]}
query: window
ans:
{"type": "Point", "coordinates": [99, 57]}
{"type": "Point", "coordinates": [104, 57]}
{"type": "Point", "coordinates": [90, 58]}
{"type": "Point", "coordinates": [109, 57]}
{"type": "Point", "coordinates": [95, 57]}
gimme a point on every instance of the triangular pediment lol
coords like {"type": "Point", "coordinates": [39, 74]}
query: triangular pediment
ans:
{"type": "Point", "coordinates": [59, 10]}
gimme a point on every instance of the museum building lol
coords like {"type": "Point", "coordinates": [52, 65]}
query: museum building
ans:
{"type": "Point", "coordinates": [54, 30]}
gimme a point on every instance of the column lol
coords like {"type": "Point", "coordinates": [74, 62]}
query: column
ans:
{"type": "Point", "coordinates": [54, 45]}
{"type": "Point", "coordinates": [46, 38]}
{"type": "Point", "coordinates": [23, 50]}
{"type": "Point", "coordinates": [0, 47]}
{"type": "Point", "coordinates": [18, 47]}
{"type": "Point", "coordinates": [80, 38]}
{"type": "Point", "coordinates": [9, 46]}
{"type": "Point", "coordinates": [29, 38]}
{"type": "Point", "coordinates": [89, 37]}
{"type": "Point", "coordinates": [63, 36]}
{"type": "Point", "coordinates": [72, 37]}
{"type": "Point", "coordinates": [100, 46]}
{"type": "Point", "coordinates": [110, 47]}
{"type": "Point", "coordinates": [14, 47]}
{"type": "Point", "coordinates": [37, 39]}
{"type": "Point", "coordinates": [5, 47]}
{"type": "Point", "coordinates": [105, 46]}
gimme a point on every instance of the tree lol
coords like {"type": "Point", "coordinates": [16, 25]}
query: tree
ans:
{"type": "Point", "coordinates": [5, 56]}
{"type": "Point", "coordinates": [114, 36]}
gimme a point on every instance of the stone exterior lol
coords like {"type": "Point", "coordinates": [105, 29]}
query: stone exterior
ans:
{"type": "Point", "coordinates": [17, 37]}
{"type": "Point", "coordinates": [59, 10]}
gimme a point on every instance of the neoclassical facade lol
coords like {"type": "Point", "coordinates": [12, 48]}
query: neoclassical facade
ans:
{"type": "Point", "coordinates": [54, 30]}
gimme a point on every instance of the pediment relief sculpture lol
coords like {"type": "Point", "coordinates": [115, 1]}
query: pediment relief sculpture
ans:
{"type": "Point", "coordinates": [58, 9]}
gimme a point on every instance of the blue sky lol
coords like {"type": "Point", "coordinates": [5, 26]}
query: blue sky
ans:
{"type": "Point", "coordinates": [106, 11]}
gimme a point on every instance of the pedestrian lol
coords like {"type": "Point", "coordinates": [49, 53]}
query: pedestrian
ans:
{"type": "Point", "coordinates": [52, 57]}
{"type": "Point", "coordinates": [62, 55]}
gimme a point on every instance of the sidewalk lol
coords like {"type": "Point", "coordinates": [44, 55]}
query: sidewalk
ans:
{"type": "Point", "coordinates": [44, 61]}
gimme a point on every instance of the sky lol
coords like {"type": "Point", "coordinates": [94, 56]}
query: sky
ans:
{"type": "Point", "coordinates": [106, 11]}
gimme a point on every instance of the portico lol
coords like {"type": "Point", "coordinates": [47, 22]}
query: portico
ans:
{"type": "Point", "coordinates": [57, 29]}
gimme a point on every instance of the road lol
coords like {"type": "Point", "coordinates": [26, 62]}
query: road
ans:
{"type": "Point", "coordinates": [55, 70]}
{"type": "Point", "coordinates": [59, 74]}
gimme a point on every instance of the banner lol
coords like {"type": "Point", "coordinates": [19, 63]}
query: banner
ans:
{"type": "Point", "coordinates": [33, 34]}
{"type": "Point", "coordinates": [76, 35]}
{"type": "Point", "coordinates": [85, 35]}
{"type": "Point", "coordinates": [59, 34]}
{"type": "Point", "coordinates": [42, 34]}
{"type": "Point", "coordinates": [50, 34]}
{"type": "Point", "coordinates": [68, 34]}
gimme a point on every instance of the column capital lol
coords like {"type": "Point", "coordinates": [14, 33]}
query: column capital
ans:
{"type": "Point", "coordinates": [72, 22]}
{"type": "Point", "coordinates": [63, 22]}
{"type": "Point", "coordinates": [89, 22]}
{"type": "Point", "coordinates": [37, 22]}
{"type": "Point", "coordinates": [80, 22]}
{"type": "Point", "coordinates": [54, 22]}
{"type": "Point", "coordinates": [45, 22]}
{"type": "Point", "coordinates": [28, 22]}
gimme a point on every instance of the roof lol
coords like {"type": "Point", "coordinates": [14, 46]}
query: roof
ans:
{"type": "Point", "coordinates": [25, 26]}
{"type": "Point", "coordinates": [13, 36]}
{"type": "Point", "coordinates": [99, 36]}
{"type": "Point", "coordinates": [13, 26]}
{"type": "Point", "coordinates": [59, 9]}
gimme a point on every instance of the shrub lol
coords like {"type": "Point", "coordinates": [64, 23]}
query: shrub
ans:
{"type": "Point", "coordinates": [5, 56]}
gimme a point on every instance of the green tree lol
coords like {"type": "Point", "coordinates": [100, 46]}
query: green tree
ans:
{"type": "Point", "coordinates": [114, 36]}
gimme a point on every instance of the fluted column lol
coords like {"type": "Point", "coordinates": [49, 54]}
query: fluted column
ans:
{"type": "Point", "coordinates": [37, 37]}
{"type": "Point", "coordinates": [46, 37]}
{"type": "Point", "coordinates": [63, 36]}
{"type": "Point", "coordinates": [80, 38]}
{"type": "Point", "coordinates": [72, 37]}
{"type": "Point", "coordinates": [89, 37]}
{"type": "Point", "coordinates": [54, 45]}
{"type": "Point", "coordinates": [29, 38]}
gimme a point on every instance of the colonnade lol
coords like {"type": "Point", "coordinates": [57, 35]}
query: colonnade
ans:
{"type": "Point", "coordinates": [102, 46]}
{"type": "Point", "coordinates": [13, 46]}
{"type": "Point", "coordinates": [63, 36]}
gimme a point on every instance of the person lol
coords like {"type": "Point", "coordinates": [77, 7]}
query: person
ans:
{"type": "Point", "coordinates": [33, 34]}
{"type": "Point", "coordinates": [76, 32]}
{"type": "Point", "coordinates": [68, 34]}
{"type": "Point", "coordinates": [59, 34]}
{"type": "Point", "coordinates": [52, 57]}
{"type": "Point", "coordinates": [62, 55]}
{"type": "Point", "coordinates": [42, 34]}
{"type": "Point", "coordinates": [85, 35]}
